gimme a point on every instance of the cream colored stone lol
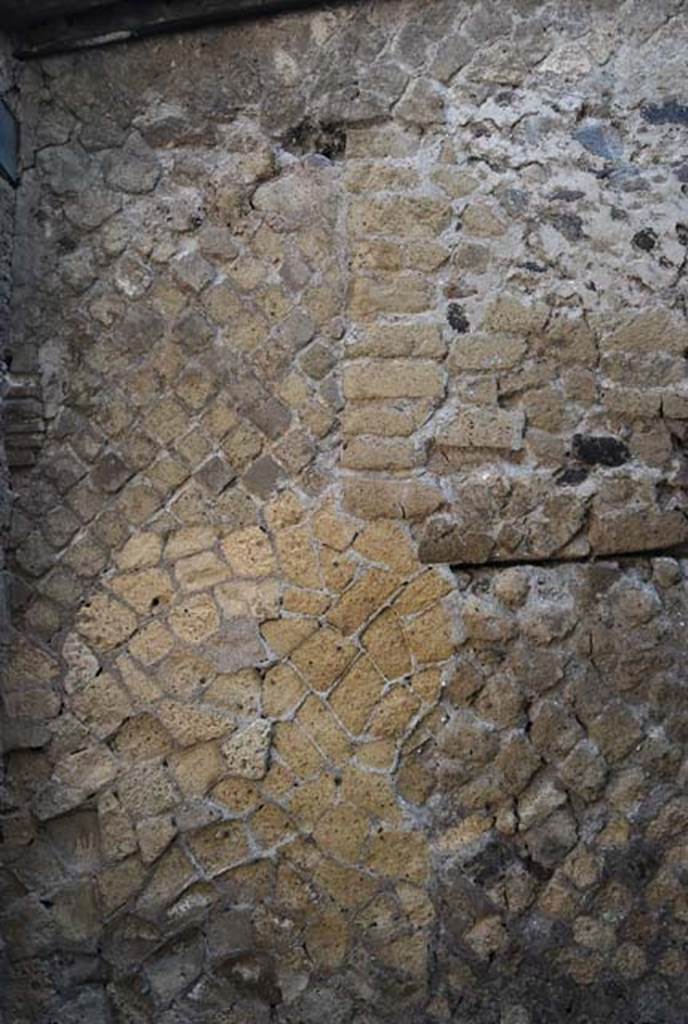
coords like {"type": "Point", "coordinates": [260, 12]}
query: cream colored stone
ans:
{"type": "Point", "coordinates": [188, 541]}
{"type": "Point", "coordinates": [201, 571]}
{"type": "Point", "coordinates": [151, 643]}
{"type": "Point", "coordinates": [422, 591]}
{"type": "Point", "coordinates": [145, 591]}
{"type": "Point", "coordinates": [237, 693]}
{"type": "Point", "coordinates": [305, 602]}
{"type": "Point", "coordinates": [141, 551]}
{"type": "Point", "coordinates": [373, 793]}
{"type": "Point", "coordinates": [333, 529]}
{"type": "Point", "coordinates": [392, 717]}
{"type": "Point", "coordinates": [282, 690]}
{"type": "Point", "coordinates": [385, 642]}
{"type": "Point", "coordinates": [316, 719]}
{"type": "Point", "coordinates": [219, 846]}
{"type": "Point", "coordinates": [481, 221]}
{"type": "Point", "coordinates": [429, 636]}
{"type": "Point", "coordinates": [238, 795]}
{"type": "Point", "coordinates": [197, 769]}
{"type": "Point", "coordinates": [102, 705]}
{"type": "Point", "coordinates": [105, 622]}
{"type": "Point", "coordinates": [342, 831]}
{"type": "Point", "coordinates": [170, 877]}
{"type": "Point", "coordinates": [298, 556]}
{"type": "Point", "coordinates": [323, 657]}
{"type": "Point", "coordinates": [195, 618]}
{"type": "Point", "coordinates": [249, 552]}
{"type": "Point", "coordinates": [389, 544]}
{"type": "Point", "coordinates": [270, 825]}
{"type": "Point", "coordinates": [400, 855]}
{"type": "Point", "coordinates": [255, 599]}
{"type": "Point", "coordinates": [293, 747]}
{"type": "Point", "coordinates": [189, 725]}
{"type": "Point", "coordinates": [285, 635]}
{"type": "Point", "coordinates": [142, 687]}
{"type": "Point", "coordinates": [309, 800]}
{"type": "Point", "coordinates": [364, 597]}
{"type": "Point", "coordinates": [357, 694]}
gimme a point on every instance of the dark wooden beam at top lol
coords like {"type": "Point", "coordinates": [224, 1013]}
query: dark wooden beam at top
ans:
{"type": "Point", "coordinates": [20, 14]}
{"type": "Point", "coordinates": [99, 23]}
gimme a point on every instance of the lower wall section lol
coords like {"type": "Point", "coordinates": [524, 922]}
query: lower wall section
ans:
{"type": "Point", "coordinates": [322, 780]}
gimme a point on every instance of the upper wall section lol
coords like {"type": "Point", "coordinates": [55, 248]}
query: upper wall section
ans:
{"type": "Point", "coordinates": [435, 257]}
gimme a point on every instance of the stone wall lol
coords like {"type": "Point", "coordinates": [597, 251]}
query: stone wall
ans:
{"type": "Point", "coordinates": [7, 202]}
{"type": "Point", "coordinates": [6, 244]}
{"type": "Point", "coordinates": [308, 305]}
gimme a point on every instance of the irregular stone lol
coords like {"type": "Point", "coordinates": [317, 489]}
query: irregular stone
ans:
{"type": "Point", "coordinates": [246, 752]}
{"type": "Point", "coordinates": [323, 657]}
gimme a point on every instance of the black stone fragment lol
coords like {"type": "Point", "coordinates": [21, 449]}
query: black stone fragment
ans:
{"type": "Point", "coordinates": [456, 318]}
{"type": "Point", "coordinates": [571, 476]}
{"type": "Point", "coordinates": [599, 450]}
{"type": "Point", "coordinates": [645, 239]}
{"type": "Point", "coordinates": [326, 138]}
{"type": "Point", "coordinates": [666, 113]}
{"type": "Point", "coordinates": [682, 234]}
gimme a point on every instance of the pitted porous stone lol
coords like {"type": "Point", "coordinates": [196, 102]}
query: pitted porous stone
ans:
{"type": "Point", "coordinates": [299, 306]}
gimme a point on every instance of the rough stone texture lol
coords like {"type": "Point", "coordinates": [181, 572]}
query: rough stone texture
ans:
{"type": "Point", "coordinates": [312, 303]}
{"type": "Point", "coordinates": [20, 822]}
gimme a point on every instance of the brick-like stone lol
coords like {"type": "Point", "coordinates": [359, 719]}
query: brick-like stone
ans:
{"type": "Point", "coordinates": [485, 428]}
{"type": "Point", "coordinates": [398, 378]}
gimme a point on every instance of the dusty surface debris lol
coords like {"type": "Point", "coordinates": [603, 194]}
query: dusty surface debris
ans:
{"type": "Point", "coordinates": [347, 420]}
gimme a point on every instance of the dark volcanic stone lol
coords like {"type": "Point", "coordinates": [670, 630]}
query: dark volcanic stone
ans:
{"type": "Point", "coordinates": [456, 318]}
{"type": "Point", "coordinates": [645, 239]}
{"type": "Point", "coordinates": [599, 450]}
{"type": "Point", "coordinates": [571, 476]}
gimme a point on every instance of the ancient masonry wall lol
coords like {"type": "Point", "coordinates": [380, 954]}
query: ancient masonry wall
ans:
{"type": "Point", "coordinates": [327, 318]}
{"type": "Point", "coordinates": [7, 202]}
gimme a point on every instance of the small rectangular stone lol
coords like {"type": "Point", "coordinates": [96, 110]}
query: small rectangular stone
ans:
{"type": "Point", "coordinates": [486, 352]}
{"type": "Point", "coordinates": [485, 428]}
{"type": "Point", "coordinates": [377, 454]}
{"type": "Point", "coordinates": [385, 419]}
{"type": "Point", "coordinates": [398, 340]}
{"type": "Point", "coordinates": [390, 293]}
{"type": "Point", "coordinates": [399, 378]}
{"type": "Point", "coordinates": [390, 499]}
